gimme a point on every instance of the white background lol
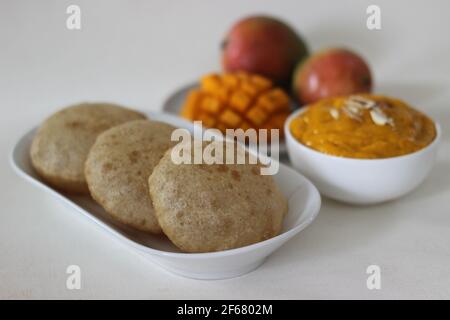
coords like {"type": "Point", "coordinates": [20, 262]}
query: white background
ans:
{"type": "Point", "coordinates": [136, 53]}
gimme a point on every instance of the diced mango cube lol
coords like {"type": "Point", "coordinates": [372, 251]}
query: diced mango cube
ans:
{"type": "Point", "coordinates": [274, 100]}
{"type": "Point", "coordinates": [261, 82]}
{"type": "Point", "coordinates": [211, 104]}
{"type": "Point", "coordinates": [240, 101]}
{"type": "Point", "coordinates": [230, 80]}
{"type": "Point", "coordinates": [250, 89]}
{"type": "Point", "coordinates": [211, 83]}
{"type": "Point", "coordinates": [207, 120]}
{"type": "Point", "coordinates": [230, 118]}
{"type": "Point", "coordinates": [222, 94]}
{"type": "Point", "coordinates": [257, 116]}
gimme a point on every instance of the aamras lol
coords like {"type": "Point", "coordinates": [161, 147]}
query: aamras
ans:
{"type": "Point", "coordinates": [363, 126]}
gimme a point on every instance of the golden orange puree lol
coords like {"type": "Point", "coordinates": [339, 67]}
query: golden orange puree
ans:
{"type": "Point", "coordinates": [363, 126]}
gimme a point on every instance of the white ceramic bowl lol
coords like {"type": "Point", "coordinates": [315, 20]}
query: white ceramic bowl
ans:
{"type": "Point", "coordinates": [361, 181]}
{"type": "Point", "coordinates": [304, 205]}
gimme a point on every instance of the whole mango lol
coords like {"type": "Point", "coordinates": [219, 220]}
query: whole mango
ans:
{"type": "Point", "coordinates": [329, 73]}
{"type": "Point", "coordinates": [263, 45]}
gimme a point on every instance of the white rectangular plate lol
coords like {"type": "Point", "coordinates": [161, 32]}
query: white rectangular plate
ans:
{"type": "Point", "coordinates": [304, 204]}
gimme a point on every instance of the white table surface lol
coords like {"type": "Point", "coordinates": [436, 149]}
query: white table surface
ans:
{"type": "Point", "coordinates": [136, 53]}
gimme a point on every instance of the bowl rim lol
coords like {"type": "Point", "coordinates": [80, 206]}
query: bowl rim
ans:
{"type": "Point", "coordinates": [290, 137]}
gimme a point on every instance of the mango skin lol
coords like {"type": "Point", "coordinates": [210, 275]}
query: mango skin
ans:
{"type": "Point", "coordinates": [330, 73]}
{"type": "Point", "coordinates": [263, 45]}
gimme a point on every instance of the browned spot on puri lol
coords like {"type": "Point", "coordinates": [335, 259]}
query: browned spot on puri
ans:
{"type": "Point", "coordinates": [179, 215]}
{"type": "Point", "coordinates": [215, 204]}
{"type": "Point", "coordinates": [236, 176]}
{"type": "Point", "coordinates": [133, 156]}
{"type": "Point", "coordinates": [268, 191]}
{"type": "Point", "coordinates": [222, 168]}
{"type": "Point", "coordinates": [107, 167]}
{"type": "Point", "coordinates": [74, 124]}
{"type": "Point", "coordinates": [255, 170]}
